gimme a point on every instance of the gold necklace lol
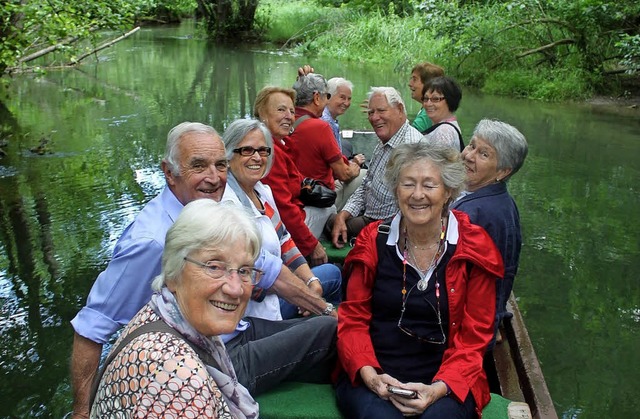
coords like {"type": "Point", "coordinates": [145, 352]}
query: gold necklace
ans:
{"type": "Point", "coordinates": [415, 260]}
{"type": "Point", "coordinates": [425, 247]}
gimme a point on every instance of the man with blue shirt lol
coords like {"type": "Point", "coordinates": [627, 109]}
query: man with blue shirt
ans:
{"type": "Point", "coordinates": [195, 167]}
{"type": "Point", "coordinates": [340, 101]}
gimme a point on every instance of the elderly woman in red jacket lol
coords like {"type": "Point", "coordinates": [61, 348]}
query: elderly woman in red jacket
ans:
{"type": "Point", "coordinates": [420, 300]}
{"type": "Point", "coordinates": [274, 107]}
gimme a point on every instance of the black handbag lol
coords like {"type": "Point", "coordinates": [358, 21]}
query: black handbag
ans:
{"type": "Point", "coordinates": [316, 193]}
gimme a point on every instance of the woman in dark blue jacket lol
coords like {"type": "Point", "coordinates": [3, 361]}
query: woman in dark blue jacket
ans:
{"type": "Point", "coordinates": [496, 152]}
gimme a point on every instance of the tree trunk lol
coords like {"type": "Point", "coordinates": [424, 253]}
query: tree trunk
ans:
{"type": "Point", "coordinates": [228, 19]}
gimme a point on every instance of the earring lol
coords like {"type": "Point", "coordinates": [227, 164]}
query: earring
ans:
{"type": "Point", "coordinates": [497, 179]}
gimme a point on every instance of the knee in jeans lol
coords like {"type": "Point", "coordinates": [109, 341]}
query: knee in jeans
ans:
{"type": "Point", "coordinates": [325, 325]}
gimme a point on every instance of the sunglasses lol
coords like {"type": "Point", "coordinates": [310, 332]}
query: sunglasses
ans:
{"type": "Point", "coordinates": [250, 151]}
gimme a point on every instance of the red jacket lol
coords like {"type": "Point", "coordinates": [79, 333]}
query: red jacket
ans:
{"type": "Point", "coordinates": [471, 297]}
{"type": "Point", "coordinates": [285, 179]}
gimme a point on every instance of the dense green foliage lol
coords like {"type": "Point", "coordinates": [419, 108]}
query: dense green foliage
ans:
{"type": "Point", "coordinates": [29, 26]}
{"type": "Point", "coordinates": [544, 49]}
{"type": "Point", "coordinates": [391, 7]}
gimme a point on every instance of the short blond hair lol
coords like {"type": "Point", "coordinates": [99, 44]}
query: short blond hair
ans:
{"type": "Point", "coordinates": [260, 105]}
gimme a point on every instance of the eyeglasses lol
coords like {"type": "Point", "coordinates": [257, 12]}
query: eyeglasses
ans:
{"type": "Point", "coordinates": [439, 339]}
{"type": "Point", "coordinates": [433, 99]}
{"type": "Point", "coordinates": [217, 269]}
{"type": "Point", "coordinates": [327, 94]}
{"type": "Point", "coordinates": [250, 151]}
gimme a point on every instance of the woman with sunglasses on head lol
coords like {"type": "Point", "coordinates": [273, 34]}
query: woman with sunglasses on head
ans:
{"type": "Point", "coordinates": [420, 303]}
{"type": "Point", "coordinates": [274, 107]}
{"type": "Point", "coordinates": [250, 153]}
{"type": "Point", "coordinates": [441, 97]}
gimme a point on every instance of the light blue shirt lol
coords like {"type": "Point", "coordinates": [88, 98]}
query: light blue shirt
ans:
{"type": "Point", "coordinates": [124, 287]}
{"type": "Point", "coordinates": [333, 123]}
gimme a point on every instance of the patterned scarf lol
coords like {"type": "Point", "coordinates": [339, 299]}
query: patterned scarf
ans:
{"type": "Point", "coordinates": [237, 397]}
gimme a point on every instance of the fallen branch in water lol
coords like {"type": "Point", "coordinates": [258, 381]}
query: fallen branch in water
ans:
{"type": "Point", "coordinates": [47, 50]}
{"type": "Point", "coordinates": [72, 63]}
{"type": "Point", "coordinates": [103, 46]}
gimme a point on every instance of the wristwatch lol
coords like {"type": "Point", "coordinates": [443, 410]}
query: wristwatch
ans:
{"type": "Point", "coordinates": [328, 310]}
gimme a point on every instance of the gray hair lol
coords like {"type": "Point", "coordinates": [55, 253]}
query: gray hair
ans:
{"type": "Point", "coordinates": [239, 129]}
{"type": "Point", "coordinates": [392, 95]}
{"type": "Point", "coordinates": [511, 146]}
{"type": "Point", "coordinates": [171, 154]}
{"type": "Point", "coordinates": [306, 86]}
{"type": "Point", "coordinates": [335, 82]}
{"type": "Point", "coordinates": [205, 224]}
{"type": "Point", "coordinates": [444, 157]}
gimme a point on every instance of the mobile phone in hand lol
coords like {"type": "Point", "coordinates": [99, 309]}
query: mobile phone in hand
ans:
{"type": "Point", "coordinates": [408, 394]}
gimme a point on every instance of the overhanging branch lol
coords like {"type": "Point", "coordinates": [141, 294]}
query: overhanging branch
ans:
{"type": "Point", "coordinates": [546, 47]}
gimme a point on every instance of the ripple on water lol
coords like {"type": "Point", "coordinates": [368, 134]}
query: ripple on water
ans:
{"type": "Point", "coordinates": [7, 171]}
{"type": "Point", "coordinates": [11, 314]}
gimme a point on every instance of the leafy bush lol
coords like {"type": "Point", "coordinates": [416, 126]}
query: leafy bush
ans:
{"type": "Point", "coordinates": [540, 85]}
{"type": "Point", "coordinates": [629, 46]}
{"type": "Point", "coordinates": [293, 23]}
{"type": "Point", "coordinates": [164, 10]}
{"type": "Point", "coordinates": [386, 7]}
{"type": "Point", "coordinates": [373, 37]}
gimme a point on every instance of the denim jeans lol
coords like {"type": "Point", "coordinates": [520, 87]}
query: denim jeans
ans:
{"type": "Point", "coordinates": [270, 352]}
{"type": "Point", "coordinates": [331, 281]}
{"type": "Point", "coordinates": [360, 402]}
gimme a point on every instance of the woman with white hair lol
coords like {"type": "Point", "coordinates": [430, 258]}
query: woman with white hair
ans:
{"type": "Point", "coordinates": [170, 360]}
{"type": "Point", "coordinates": [496, 152]}
{"type": "Point", "coordinates": [420, 302]}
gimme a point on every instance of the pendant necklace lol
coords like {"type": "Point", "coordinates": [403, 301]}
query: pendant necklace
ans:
{"type": "Point", "coordinates": [423, 282]}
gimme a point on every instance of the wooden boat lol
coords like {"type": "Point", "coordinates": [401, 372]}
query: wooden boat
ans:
{"type": "Point", "coordinates": [516, 372]}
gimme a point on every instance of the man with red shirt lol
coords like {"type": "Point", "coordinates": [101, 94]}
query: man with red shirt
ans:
{"type": "Point", "coordinates": [317, 154]}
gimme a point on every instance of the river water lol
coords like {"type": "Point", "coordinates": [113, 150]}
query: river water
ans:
{"type": "Point", "coordinates": [101, 130]}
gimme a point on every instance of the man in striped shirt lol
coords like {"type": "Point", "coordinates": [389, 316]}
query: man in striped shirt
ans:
{"type": "Point", "coordinates": [373, 200]}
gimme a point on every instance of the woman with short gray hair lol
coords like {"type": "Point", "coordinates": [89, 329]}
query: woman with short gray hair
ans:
{"type": "Point", "coordinates": [496, 152]}
{"type": "Point", "coordinates": [420, 300]}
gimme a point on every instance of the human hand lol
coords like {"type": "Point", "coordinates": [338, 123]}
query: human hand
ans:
{"type": "Point", "coordinates": [304, 70]}
{"type": "Point", "coordinates": [426, 396]}
{"type": "Point", "coordinates": [359, 159]}
{"type": "Point", "coordinates": [339, 231]}
{"type": "Point", "coordinates": [318, 255]}
{"type": "Point", "coordinates": [364, 105]}
{"type": "Point", "coordinates": [378, 383]}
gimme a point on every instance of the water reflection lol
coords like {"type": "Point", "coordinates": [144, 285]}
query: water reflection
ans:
{"type": "Point", "coordinates": [61, 213]}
